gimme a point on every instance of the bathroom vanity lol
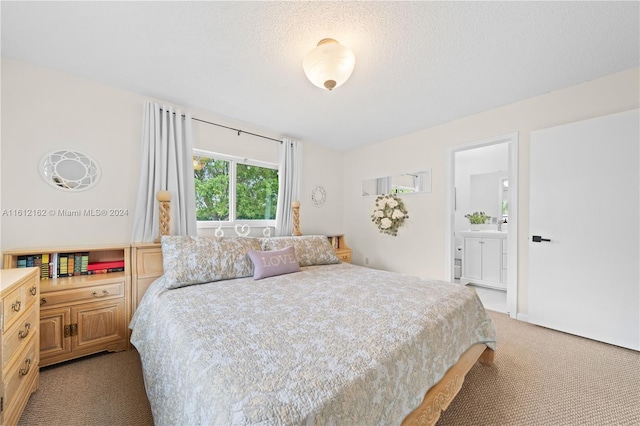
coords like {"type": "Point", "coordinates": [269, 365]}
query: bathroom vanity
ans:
{"type": "Point", "coordinates": [484, 258]}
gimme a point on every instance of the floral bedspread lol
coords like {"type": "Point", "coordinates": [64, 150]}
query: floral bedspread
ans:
{"type": "Point", "coordinates": [334, 344]}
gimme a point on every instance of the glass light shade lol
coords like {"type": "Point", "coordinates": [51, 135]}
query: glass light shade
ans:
{"type": "Point", "coordinates": [329, 65]}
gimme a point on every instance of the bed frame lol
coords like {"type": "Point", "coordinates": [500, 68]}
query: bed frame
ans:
{"type": "Point", "coordinates": [442, 393]}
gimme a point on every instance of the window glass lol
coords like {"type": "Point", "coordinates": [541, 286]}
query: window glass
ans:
{"type": "Point", "coordinates": [257, 192]}
{"type": "Point", "coordinates": [212, 189]}
{"type": "Point", "coordinates": [230, 189]}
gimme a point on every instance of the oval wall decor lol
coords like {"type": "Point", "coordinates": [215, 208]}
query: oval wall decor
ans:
{"type": "Point", "coordinates": [70, 170]}
{"type": "Point", "coordinates": [318, 196]}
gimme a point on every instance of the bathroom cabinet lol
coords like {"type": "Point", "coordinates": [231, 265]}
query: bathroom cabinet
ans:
{"type": "Point", "coordinates": [484, 259]}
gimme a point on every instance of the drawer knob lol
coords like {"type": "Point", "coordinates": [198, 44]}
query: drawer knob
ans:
{"type": "Point", "coordinates": [33, 290]}
{"type": "Point", "coordinates": [43, 301]}
{"type": "Point", "coordinates": [103, 294]}
{"type": "Point", "coordinates": [25, 333]}
{"type": "Point", "coordinates": [25, 371]}
{"type": "Point", "coordinates": [16, 306]}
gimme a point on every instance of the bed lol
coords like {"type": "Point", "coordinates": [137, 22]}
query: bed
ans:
{"type": "Point", "coordinates": [327, 343]}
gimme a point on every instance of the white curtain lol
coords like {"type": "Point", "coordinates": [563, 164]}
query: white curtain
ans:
{"type": "Point", "coordinates": [289, 182]}
{"type": "Point", "coordinates": [166, 163]}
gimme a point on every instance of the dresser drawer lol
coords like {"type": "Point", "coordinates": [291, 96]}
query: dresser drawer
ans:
{"type": "Point", "coordinates": [15, 339]}
{"type": "Point", "coordinates": [13, 304]}
{"type": "Point", "coordinates": [86, 294]}
{"type": "Point", "coordinates": [31, 292]}
{"type": "Point", "coordinates": [344, 256]}
{"type": "Point", "coordinates": [19, 300]}
{"type": "Point", "coordinates": [20, 375]}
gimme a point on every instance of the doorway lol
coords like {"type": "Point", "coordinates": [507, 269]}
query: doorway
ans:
{"type": "Point", "coordinates": [458, 205]}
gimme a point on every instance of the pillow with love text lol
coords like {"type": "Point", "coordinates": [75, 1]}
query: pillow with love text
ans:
{"type": "Point", "coordinates": [273, 262]}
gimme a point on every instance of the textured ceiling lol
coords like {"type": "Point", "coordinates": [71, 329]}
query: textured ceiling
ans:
{"type": "Point", "coordinates": [418, 64]}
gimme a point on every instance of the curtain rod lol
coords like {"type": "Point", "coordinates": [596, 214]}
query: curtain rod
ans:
{"type": "Point", "coordinates": [237, 130]}
{"type": "Point", "coordinates": [231, 128]}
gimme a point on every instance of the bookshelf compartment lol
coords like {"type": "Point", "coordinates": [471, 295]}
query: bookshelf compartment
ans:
{"type": "Point", "coordinates": [340, 246]}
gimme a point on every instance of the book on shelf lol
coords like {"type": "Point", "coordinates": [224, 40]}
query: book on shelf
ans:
{"type": "Point", "coordinates": [105, 270]}
{"type": "Point", "coordinates": [29, 261]}
{"type": "Point", "coordinates": [70, 264]}
{"type": "Point", "coordinates": [37, 261]}
{"type": "Point", "coordinates": [53, 263]}
{"type": "Point", "coordinates": [85, 263]}
{"type": "Point", "coordinates": [335, 241]}
{"type": "Point", "coordinates": [22, 261]}
{"type": "Point", "coordinates": [62, 265]}
{"type": "Point", "coordinates": [44, 267]}
{"type": "Point", "coordinates": [77, 264]}
{"type": "Point", "coordinates": [110, 264]}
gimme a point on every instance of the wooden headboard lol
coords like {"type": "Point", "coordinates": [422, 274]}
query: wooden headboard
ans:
{"type": "Point", "coordinates": [146, 267]}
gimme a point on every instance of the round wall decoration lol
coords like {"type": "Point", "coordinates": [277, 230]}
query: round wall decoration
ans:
{"type": "Point", "coordinates": [318, 196]}
{"type": "Point", "coordinates": [69, 170]}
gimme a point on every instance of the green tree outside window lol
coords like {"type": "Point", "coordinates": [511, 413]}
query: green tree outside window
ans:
{"type": "Point", "coordinates": [255, 197]}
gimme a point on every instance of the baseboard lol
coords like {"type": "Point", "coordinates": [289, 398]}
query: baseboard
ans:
{"type": "Point", "coordinates": [522, 317]}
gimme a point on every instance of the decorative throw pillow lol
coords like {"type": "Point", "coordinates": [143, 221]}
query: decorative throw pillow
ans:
{"type": "Point", "coordinates": [193, 260]}
{"type": "Point", "coordinates": [273, 262]}
{"type": "Point", "coordinates": [310, 249]}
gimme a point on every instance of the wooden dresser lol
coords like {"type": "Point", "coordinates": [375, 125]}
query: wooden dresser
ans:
{"type": "Point", "coordinates": [20, 340]}
{"type": "Point", "coordinates": [81, 314]}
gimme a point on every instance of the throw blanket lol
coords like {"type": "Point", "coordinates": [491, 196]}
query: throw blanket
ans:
{"type": "Point", "coordinates": [333, 344]}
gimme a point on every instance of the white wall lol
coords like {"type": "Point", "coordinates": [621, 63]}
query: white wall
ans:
{"type": "Point", "coordinates": [44, 110]}
{"type": "Point", "coordinates": [419, 248]}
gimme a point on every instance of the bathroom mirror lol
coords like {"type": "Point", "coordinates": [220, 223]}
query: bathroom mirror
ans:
{"type": "Point", "coordinates": [405, 183]}
{"type": "Point", "coordinates": [488, 194]}
{"type": "Point", "coordinates": [69, 170]}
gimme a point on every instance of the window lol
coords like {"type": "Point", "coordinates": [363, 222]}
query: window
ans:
{"type": "Point", "coordinates": [232, 189]}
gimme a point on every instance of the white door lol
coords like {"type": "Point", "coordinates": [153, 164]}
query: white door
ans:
{"type": "Point", "coordinates": [585, 199]}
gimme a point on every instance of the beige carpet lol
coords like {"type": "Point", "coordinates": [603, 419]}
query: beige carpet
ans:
{"type": "Point", "coordinates": [540, 377]}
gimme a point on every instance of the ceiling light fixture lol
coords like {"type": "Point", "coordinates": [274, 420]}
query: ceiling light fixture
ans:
{"type": "Point", "coordinates": [329, 65]}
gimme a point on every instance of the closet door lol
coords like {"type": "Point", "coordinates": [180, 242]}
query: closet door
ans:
{"type": "Point", "coordinates": [584, 229]}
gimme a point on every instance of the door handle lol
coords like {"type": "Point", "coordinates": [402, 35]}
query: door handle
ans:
{"type": "Point", "coordinates": [539, 239]}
